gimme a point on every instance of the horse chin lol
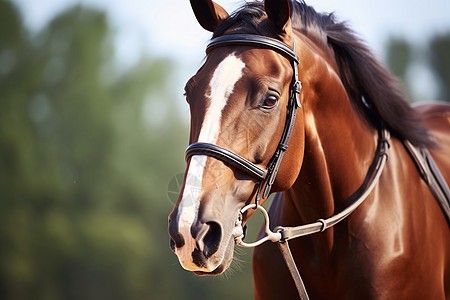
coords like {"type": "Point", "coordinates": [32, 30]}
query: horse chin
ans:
{"type": "Point", "coordinates": [219, 270]}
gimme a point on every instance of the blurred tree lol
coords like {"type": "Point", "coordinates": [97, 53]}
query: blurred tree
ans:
{"type": "Point", "coordinates": [436, 59]}
{"type": "Point", "coordinates": [86, 153]}
{"type": "Point", "coordinates": [440, 61]}
{"type": "Point", "coordinates": [399, 56]}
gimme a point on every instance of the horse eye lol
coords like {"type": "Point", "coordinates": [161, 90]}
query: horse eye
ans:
{"type": "Point", "coordinates": [270, 102]}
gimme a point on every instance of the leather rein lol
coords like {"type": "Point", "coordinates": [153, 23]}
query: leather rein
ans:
{"type": "Point", "coordinates": [266, 177]}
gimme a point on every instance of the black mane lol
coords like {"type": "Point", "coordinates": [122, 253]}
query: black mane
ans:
{"type": "Point", "coordinates": [363, 76]}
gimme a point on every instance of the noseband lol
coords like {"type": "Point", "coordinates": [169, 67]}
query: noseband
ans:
{"type": "Point", "coordinates": [264, 177]}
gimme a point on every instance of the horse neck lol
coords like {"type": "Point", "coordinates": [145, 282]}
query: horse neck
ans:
{"type": "Point", "coordinates": [339, 145]}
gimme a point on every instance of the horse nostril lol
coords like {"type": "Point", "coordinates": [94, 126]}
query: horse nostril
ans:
{"type": "Point", "coordinates": [176, 239]}
{"type": "Point", "coordinates": [212, 238]}
{"type": "Point", "coordinates": [172, 245]}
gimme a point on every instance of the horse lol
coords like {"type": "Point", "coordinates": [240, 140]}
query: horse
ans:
{"type": "Point", "coordinates": [248, 108]}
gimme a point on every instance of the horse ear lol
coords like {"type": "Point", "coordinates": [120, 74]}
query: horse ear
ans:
{"type": "Point", "coordinates": [279, 13]}
{"type": "Point", "coordinates": [208, 13]}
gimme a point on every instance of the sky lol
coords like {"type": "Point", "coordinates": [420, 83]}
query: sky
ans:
{"type": "Point", "coordinates": [169, 28]}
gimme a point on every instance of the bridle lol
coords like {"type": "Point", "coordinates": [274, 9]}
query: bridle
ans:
{"type": "Point", "coordinates": [266, 177]}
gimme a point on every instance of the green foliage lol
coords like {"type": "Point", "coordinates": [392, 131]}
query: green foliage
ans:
{"type": "Point", "coordinates": [440, 60]}
{"type": "Point", "coordinates": [86, 154]}
{"type": "Point", "coordinates": [400, 57]}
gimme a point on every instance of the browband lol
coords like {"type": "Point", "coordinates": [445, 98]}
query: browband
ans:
{"type": "Point", "coordinates": [253, 40]}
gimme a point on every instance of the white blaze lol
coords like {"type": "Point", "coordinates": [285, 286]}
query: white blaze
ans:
{"type": "Point", "coordinates": [225, 77]}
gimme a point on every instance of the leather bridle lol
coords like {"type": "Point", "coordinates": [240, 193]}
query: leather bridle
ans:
{"type": "Point", "coordinates": [266, 177]}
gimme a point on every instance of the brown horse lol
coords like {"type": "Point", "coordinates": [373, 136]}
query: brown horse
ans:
{"type": "Point", "coordinates": [396, 245]}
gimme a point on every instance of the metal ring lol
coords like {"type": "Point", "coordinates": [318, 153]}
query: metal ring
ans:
{"type": "Point", "coordinates": [271, 236]}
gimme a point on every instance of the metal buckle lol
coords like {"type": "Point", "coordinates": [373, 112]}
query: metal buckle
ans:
{"type": "Point", "coordinates": [297, 87]}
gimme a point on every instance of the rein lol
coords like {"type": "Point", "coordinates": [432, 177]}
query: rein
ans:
{"type": "Point", "coordinates": [266, 177]}
{"type": "Point", "coordinates": [281, 235]}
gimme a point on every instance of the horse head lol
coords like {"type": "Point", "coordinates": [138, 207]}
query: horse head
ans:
{"type": "Point", "coordinates": [239, 101]}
